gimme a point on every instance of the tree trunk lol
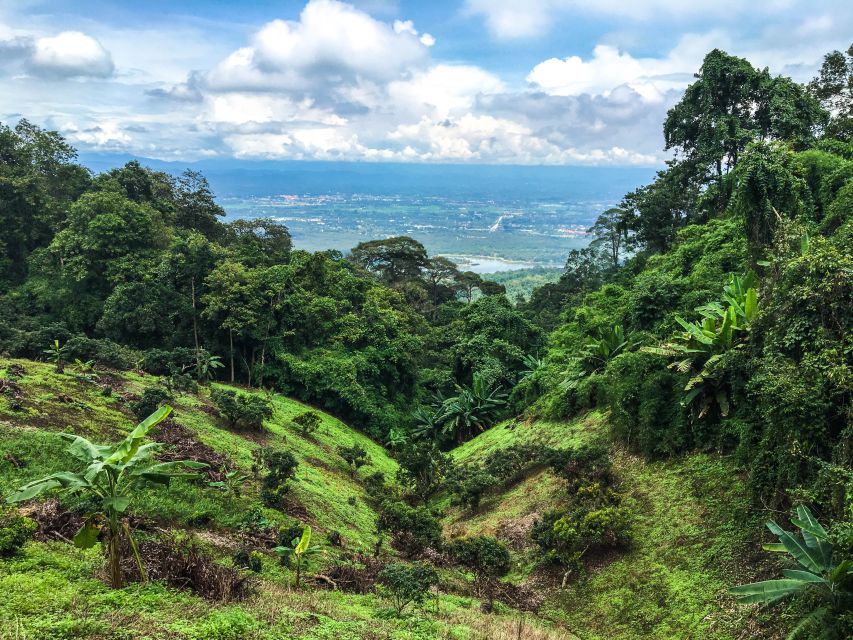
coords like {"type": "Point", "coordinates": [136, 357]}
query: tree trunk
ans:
{"type": "Point", "coordinates": [195, 331]}
{"type": "Point", "coordinates": [231, 348]}
{"type": "Point", "coordinates": [114, 559]}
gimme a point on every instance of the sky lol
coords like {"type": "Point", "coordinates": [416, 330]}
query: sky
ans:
{"type": "Point", "coordinates": [569, 82]}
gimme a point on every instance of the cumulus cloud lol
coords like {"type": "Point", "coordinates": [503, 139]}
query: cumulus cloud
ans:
{"type": "Point", "coordinates": [70, 54]}
{"type": "Point", "coordinates": [610, 68]}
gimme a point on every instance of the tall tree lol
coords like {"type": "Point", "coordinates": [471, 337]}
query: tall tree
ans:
{"type": "Point", "coordinates": [611, 231]}
{"type": "Point", "coordinates": [834, 89]}
{"type": "Point", "coordinates": [393, 260]}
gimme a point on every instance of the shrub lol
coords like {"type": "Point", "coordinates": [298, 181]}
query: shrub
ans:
{"type": "Point", "coordinates": [246, 558]}
{"type": "Point", "coordinates": [568, 533]}
{"type": "Point", "coordinates": [468, 484]}
{"type": "Point", "coordinates": [412, 529]}
{"type": "Point", "coordinates": [308, 422]}
{"type": "Point", "coordinates": [355, 456]}
{"type": "Point", "coordinates": [15, 530]}
{"type": "Point", "coordinates": [152, 399]}
{"type": "Point", "coordinates": [487, 558]}
{"type": "Point", "coordinates": [244, 409]}
{"type": "Point", "coordinates": [281, 467]}
{"type": "Point", "coordinates": [374, 485]}
{"type": "Point", "coordinates": [582, 465]}
{"type": "Point", "coordinates": [406, 584]}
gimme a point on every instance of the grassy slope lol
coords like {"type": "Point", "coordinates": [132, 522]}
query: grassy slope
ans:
{"type": "Point", "coordinates": [692, 538]}
{"type": "Point", "coordinates": [53, 593]}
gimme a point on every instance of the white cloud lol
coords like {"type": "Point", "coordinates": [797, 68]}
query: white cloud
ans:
{"type": "Point", "coordinates": [609, 68]}
{"type": "Point", "coordinates": [442, 90]}
{"type": "Point", "coordinates": [70, 54]}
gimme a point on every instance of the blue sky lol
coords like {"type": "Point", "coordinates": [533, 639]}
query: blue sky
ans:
{"type": "Point", "coordinates": [480, 81]}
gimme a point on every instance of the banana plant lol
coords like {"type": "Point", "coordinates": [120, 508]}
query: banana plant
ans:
{"type": "Point", "coordinates": [610, 343]}
{"type": "Point", "coordinates": [56, 354]}
{"type": "Point", "coordinates": [473, 409]}
{"type": "Point", "coordinates": [299, 549]}
{"type": "Point", "coordinates": [703, 343]}
{"type": "Point", "coordinates": [821, 571]}
{"type": "Point", "coordinates": [113, 476]}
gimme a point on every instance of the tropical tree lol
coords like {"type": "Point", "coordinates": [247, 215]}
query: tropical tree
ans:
{"type": "Point", "coordinates": [113, 476]}
{"type": "Point", "coordinates": [300, 548]}
{"type": "Point", "coordinates": [829, 577]}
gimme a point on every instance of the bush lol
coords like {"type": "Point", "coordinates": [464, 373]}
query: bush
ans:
{"type": "Point", "coordinates": [355, 456]}
{"type": "Point", "coordinates": [246, 558]}
{"type": "Point", "coordinates": [281, 467]}
{"type": "Point", "coordinates": [374, 485]}
{"type": "Point", "coordinates": [412, 529]}
{"type": "Point", "coordinates": [244, 409]}
{"type": "Point", "coordinates": [308, 422]}
{"type": "Point", "coordinates": [15, 530]}
{"type": "Point", "coordinates": [582, 465]}
{"type": "Point", "coordinates": [160, 362]}
{"type": "Point", "coordinates": [152, 399]}
{"type": "Point", "coordinates": [644, 398]}
{"type": "Point", "coordinates": [406, 584]}
{"type": "Point", "coordinates": [103, 351]}
{"type": "Point", "coordinates": [594, 521]}
{"type": "Point", "coordinates": [487, 558]}
{"type": "Point", "coordinates": [468, 484]}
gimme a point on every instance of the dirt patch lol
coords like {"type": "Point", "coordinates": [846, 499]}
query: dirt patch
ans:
{"type": "Point", "coordinates": [354, 574]}
{"type": "Point", "coordinates": [13, 392]}
{"type": "Point", "coordinates": [54, 522]}
{"type": "Point", "coordinates": [183, 445]}
{"type": "Point", "coordinates": [180, 562]}
{"type": "Point", "coordinates": [292, 507]}
{"type": "Point", "coordinates": [516, 533]}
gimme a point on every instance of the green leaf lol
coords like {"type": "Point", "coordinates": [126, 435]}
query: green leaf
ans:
{"type": "Point", "coordinates": [302, 547]}
{"type": "Point", "coordinates": [803, 576]}
{"type": "Point", "coordinates": [33, 489]}
{"type": "Point", "coordinates": [116, 503]}
{"type": "Point", "coordinates": [87, 536]}
{"type": "Point", "coordinates": [751, 304]}
{"type": "Point", "coordinates": [767, 591]}
{"type": "Point", "coordinates": [129, 446]}
{"type": "Point", "coordinates": [776, 547]}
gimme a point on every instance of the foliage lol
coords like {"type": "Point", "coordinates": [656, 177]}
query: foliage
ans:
{"type": "Point", "coordinates": [823, 574]}
{"type": "Point", "coordinates": [354, 455]}
{"type": "Point", "coordinates": [486, 557]}
{"type": "Point", "coordinates": [412, 529]}
{"type": "Point", "coordinates": [422, 467]}
{"type": "Point", "coordinates": [281, 468]}
{"type": "Point", "coordinates": [308, 421]}
{"type": "Point", "coordinates": [152, 398]}
{"type": "Point", "coordinates": [241, 409]}
{"type": "Point", "coordinates": [407, 583]}
{"type": "Point", "coordinates": [15, 530]}
{"type": "Point", "coordinates": [473, 409]}
{"type": "Point", "coordinates": [56, 354]}
{"type": "Point", "coordinates": [300, 550]}
{"type": "Point", "coordinates": [112, 478]}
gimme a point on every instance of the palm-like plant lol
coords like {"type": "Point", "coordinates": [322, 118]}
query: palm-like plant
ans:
{"type": "Point", "coordinates": [113, 476]}
{"type": "Point", "coordinates": [820, 570]}
{"type": "Point", "coordinates": [703, 343]}
{"type": "Point", "coordinates": [206, 366]}
{"type": "Point", "coordinates": [472, 409]}
{"type": "Point", "coordinates": [56, 354]}
{"type": "Point", "coordinates": [610, 343]}
{"type": "Point", "coordinates": [299, 549]}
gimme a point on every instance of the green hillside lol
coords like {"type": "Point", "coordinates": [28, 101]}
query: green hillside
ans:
{"type": "Point", "coordinates": [693, 535]}
{"type": "Point", "coordinates": [50, 581]}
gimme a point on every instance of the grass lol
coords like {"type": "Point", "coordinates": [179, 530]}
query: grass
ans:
{"type": "Point", "coordinates": [693, 536]}
{"type": "Point", "coordinates": [51, 594]}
